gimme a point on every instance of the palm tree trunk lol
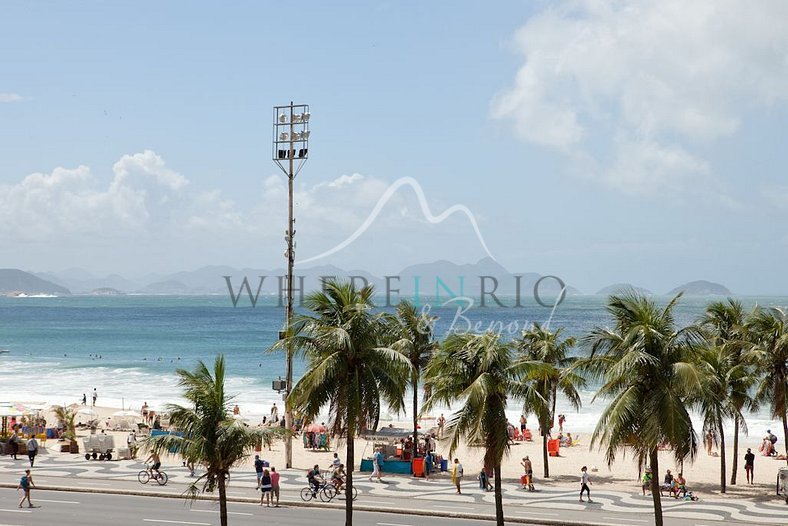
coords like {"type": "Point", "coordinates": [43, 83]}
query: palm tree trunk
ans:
{"type": "Point", "coordinates": [785, 433]}
{"type": "Point", "coordinates": [722, 458]}
{"type": "Point", "coordinates": [415, 383]}
{"type": "Point", "coordinates": [735, 461]}
{"type": "Point", "coordinates": [222, 500]}
{"type": "Point", "coordinates": [498, 496]}
{"type": "Point", "coordinates": [655, 495]}
{"type": "Point", "coordinates": [351, 438]}
{"type": "Point", "coordinates": [545, 455]}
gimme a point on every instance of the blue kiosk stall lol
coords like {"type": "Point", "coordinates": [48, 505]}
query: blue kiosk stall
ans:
{"type": "Point", "coordinates": [396, 461]}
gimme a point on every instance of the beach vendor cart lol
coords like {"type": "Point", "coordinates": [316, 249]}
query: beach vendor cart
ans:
{"type": "Point", "coordinates": [782, 483]}
{"type": "Point", "coordinates": [387, 441]}
{"type": "Point", "coordinates": [98, 446]}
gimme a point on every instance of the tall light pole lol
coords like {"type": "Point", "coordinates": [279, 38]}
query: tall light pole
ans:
{"type": "Point", "coordinates": [290, 151]}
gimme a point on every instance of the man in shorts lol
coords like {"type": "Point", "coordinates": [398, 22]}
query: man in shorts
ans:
{"type": "Point", "coordinates": [275, 485]}
{"type": "Point", "coordinates": [154, 458]}
{"type": "Point", "coordinates": [258, 468]}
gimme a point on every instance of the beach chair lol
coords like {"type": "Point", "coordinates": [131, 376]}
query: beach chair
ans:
{"type": "Point", "coordinates": [527, 436]}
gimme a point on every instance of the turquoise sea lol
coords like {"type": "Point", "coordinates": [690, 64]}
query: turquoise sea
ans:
{"type": "Point", "coordinates": [128, 347]}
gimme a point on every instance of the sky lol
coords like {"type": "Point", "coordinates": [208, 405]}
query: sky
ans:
{"type": "Point", "coordinates": [602, 142]}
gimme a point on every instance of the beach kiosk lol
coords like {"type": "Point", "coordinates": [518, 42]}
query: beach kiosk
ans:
{"type": "Point", "coordinates": [387, 440]}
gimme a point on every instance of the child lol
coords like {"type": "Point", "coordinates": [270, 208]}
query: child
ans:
{"type": "Point", "coordinates": [584, 483]}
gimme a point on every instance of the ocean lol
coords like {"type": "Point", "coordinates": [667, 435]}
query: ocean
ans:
{"type": "Point", "coordinates": [128, 347]}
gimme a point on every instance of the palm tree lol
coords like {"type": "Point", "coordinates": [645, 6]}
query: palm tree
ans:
{"type": "Point", "coordinates": [479, 369]}
{"type": "Point", "coordinates": [412, 336]}
{"type": "Point", "coordinates": [540, 345]}
{"type": "Point", "coordinates": [723, 326]}
{"type": "Point", "coordinates": [68, 418]}
{"type": "Point", "coordinates": [644, 364]}
{"type": "Point", "coordinates": [769, 328]}
{"type": "Point", "coordinates": [723, 378]}
{"type": "Point", "coordinates": [350, 370]}
{"type": "Point", "coordinates": [210, 436]}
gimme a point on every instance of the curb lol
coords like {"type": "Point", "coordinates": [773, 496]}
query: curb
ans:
{"type": "Point", "coordinates": [330, 505]}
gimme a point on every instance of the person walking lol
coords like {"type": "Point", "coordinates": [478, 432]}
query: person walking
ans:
{"type": "Point", "coordinates": [258, 468]}
{"type": "Point", "coordinates": [274, 413]}
{"type": "Point", "coordinates": [709, 442]}
{"type": "Point", "coordinates": [84, 399]}
{"type": "Point", "coordinates": [427, 464]}
{"type": "Point", "coordinates": [131, 442]}
{"type": "Point", "coordinates": [265, 487]}
{"type": "Point", "coordinates": [32, 449]}
{"type": "Point", "coordinates": [275, 485]}
{"type": "Point", "coordinates": [561, 420]}
{"type": "Point", "coordinates": [528, 477]}
{"type": "Point", "coordinates": [95, 396]}
{"type": "Point", "coordinates": [456, 475]}
{"type": "Point", "coordinates": [749, 466]}
{"type": "Point", "coordinates": [14, 441]}
{"type": "Point", "coordinates": [441, 425]}
{"type": "Point", "coordinates": [584, 484]}
{"type": "Point", "coordinates": [25, 483]}
{"type": "Point", "coordinates": [377, 463]}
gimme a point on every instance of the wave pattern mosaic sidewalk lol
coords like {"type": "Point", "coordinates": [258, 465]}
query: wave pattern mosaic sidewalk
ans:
{"type": "Point", "coordinates": [438, 494]}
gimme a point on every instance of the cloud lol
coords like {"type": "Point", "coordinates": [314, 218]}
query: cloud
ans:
{"type": "Point", "coordinates": [641, 88]}
{"type": "Point", "coordinates": [10, 97]}
{"type": "Point", "coordinates": [71, 202]}
{"type": "Point", "coordinates": [145, 203]}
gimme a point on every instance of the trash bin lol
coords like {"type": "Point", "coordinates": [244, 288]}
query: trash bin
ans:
{"type": "Point", "coordinates": [418, 467]}
{"type": "Point", "coordinates": [445, 464]}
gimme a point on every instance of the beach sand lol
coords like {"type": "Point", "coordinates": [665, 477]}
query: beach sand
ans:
{"type": "Point", "coordinates": [702, 474]}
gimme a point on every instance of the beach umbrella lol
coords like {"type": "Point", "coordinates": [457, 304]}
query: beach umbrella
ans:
{"type": "Point", "coordinates": [315, 428]}
{"type": "Point", "coordinates": [87, 411]}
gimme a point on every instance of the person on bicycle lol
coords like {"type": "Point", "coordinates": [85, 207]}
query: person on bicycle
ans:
{"type": "Point", "coordinates": [338, 477]}
{"type": "Point", "coordinates": [156, 464]}
{"type": "Point", "coordinates": [315, 479]}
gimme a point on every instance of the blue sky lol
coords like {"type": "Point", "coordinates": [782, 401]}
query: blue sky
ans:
{"type": "Point", "coordinates": [603, 142]}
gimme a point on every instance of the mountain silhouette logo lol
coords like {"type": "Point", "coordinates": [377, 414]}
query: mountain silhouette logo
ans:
{"type": "Point", "coordinates": [425, 210]}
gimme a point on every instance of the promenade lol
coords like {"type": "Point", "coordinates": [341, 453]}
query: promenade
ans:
{"type": "Point", "coordinates": [399, 494]}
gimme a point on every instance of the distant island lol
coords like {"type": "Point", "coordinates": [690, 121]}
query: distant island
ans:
{"type": "Point", "coordinates": [14, 282]}
{"type": "Point", "coordinates": [702, 288]}
{"type": "Point", "coordinates": [106, 291]}
{"type": "Point", "coordinates": [619, 288]}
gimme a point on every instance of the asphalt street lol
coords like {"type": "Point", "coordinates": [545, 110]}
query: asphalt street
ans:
{"type": "Point", "coordinates": [95, 509]}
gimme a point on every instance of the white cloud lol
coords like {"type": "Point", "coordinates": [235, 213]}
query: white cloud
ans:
{"type": "Point", "coordinates": [142, 194]}
{"type": "Point", "coordinates": [646, 84]}
{"type": "Point", "coordinates": [11, 97]}
{"type": "Point", "coordinates": [153, 206]}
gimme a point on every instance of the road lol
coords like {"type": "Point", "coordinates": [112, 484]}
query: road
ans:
{"type": "Point", "coordinates": [95, 509]}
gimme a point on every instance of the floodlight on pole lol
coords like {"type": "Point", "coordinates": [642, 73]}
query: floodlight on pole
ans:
{"type": "Point", "coordinates": [290, 150]}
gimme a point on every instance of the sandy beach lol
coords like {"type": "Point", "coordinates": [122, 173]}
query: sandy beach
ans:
{"type": "Point", "coordinates": [702, 474]}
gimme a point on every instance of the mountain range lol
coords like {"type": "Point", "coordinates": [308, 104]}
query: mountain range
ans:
{"type": "Point", "coordinates": [440, 278]}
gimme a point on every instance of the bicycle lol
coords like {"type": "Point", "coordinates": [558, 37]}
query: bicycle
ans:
{"type": "Point", "coordinates": [308, 493]}
{"type": "Point", "coordinates": [145, 475]}
{"type": "Point", "coordinates": [331, 491]}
